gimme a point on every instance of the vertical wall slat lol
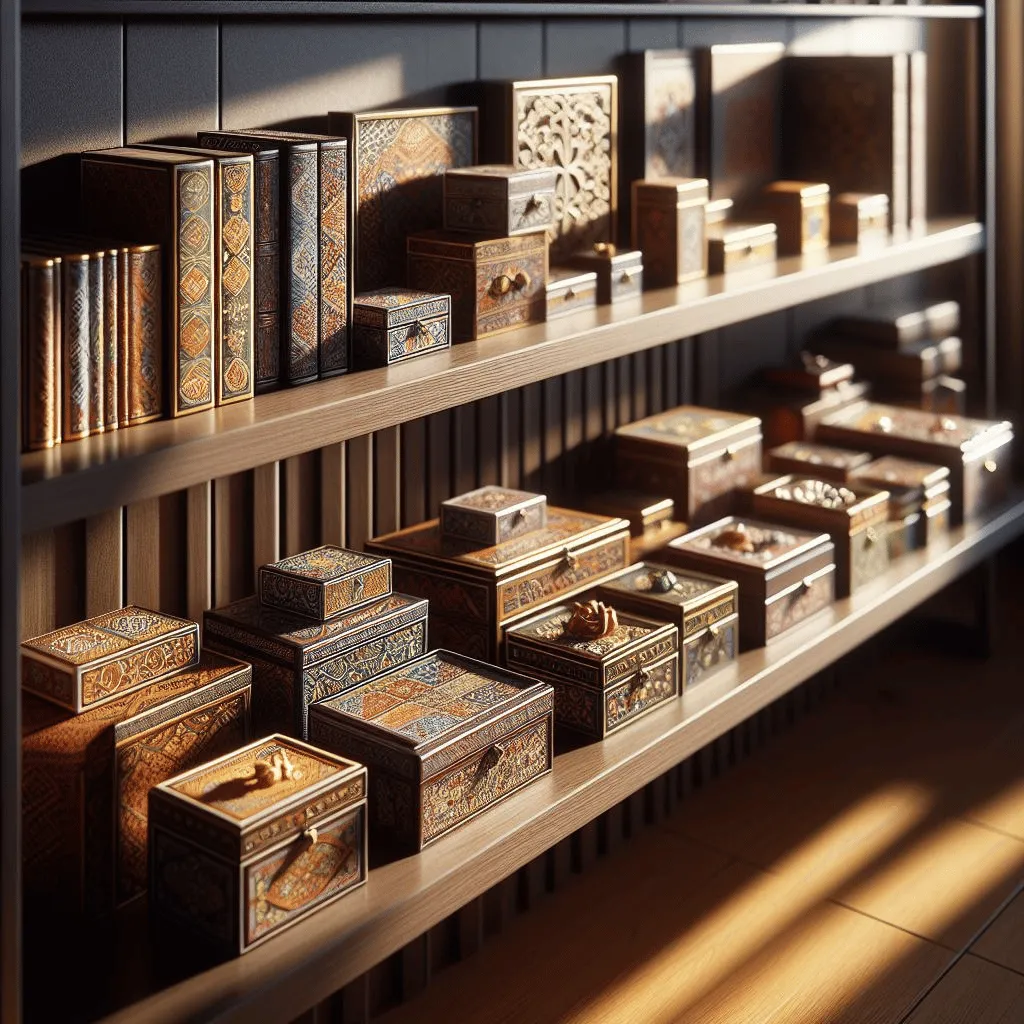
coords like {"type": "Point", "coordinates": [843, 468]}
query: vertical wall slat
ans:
{"type": "Point", "coordinates": [199, 518]}
{"type": "Point", "coordinates": [552, 439]}
{"type": "Point", "coordinates": [531, 436]}
{"type": "Point", "coordinates": [233, 545]}
{"type": "Point", "coordinates": [510, 425]}
{"type": "Point", "coordinates": [414, 481]}
{"type": "Point", "coordinates": [332, 494]}
{"type": "Point", "coordinates": [464, 449]}
{"type": "Point", "coordinates": [439, 460]}
{"type": "Point", "coordinates": [38, 562]}
{"type": "Point", "coordinates": [143, 575]}
{"type": "Point", "coordinates": [574, 478]}
{"type": "Point", "coordinates": [488, 441]}
{"type": "Point", "coordinates": [104, 562]}
{"type": "Point", "coordinates": [359, 458]}
{"type": "Point", "coordinates": [266, 513]}
{"type": "Point", "coordinates": [387, 483]}
{"type": "Point", "coordinates": [301, 526]}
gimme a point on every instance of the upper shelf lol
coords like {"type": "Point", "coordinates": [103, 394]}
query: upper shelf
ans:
{"type": "Point", "coordinates": [81, 478]}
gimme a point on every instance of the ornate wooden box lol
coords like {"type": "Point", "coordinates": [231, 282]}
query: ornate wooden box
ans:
{"type": "Point", "coordinates": [669, 228]}
{"type": "Point", "coordinates": [495, 284]}
{"type": "Point", "coordinates": [902, 370]}
{"type": "Point", "coordinates": [735, 246]}
{"type": "Point", "coordinates": [977, 452]}
{"type": "Point", "coordinates": [902, 323]}
{"type": "Point", "coordinates": [394, 324]}
{"type": "Point", "coordinates": [570, 289]}
{"type": "Point", "coordinates": [620, 274]}
{"type": "Point", "coordinates": [92, 662]}
{"type": "Point", "coordinates": [699, 457]}
{"type": "Point", "coordinates": [818, 460]}
{"type": "Point", "coordinates": [474, 592]}
{"type": "Point", "coordinates": [859, 218]}
{"type": "Point", "coordinates": [444, 738]}
{"type": "Point", "coordinates": [852, 515]}
{"type": "Point", "coordinates": [784, 575]}
{"type": "Point", "coordinates": [811, 373]}
{"type": "Point", "coordinates": [608, 668]}
{"type": "Point", "coordinates": [800, 210]}
{"type": "Point", "coordinates": [704, 609]}
{"type": "Point", "coordinates": [941, 394]}
{"type": "Point", "coordinates": [492, 515]}
{"type": "Point", "coordinates": [243, 847]}
{"type": "Point", "coordinates": [297, 660]}
{"type": "Point", "coordinates": [324, 582]}
{"type": "Point", "coordinates": [499, 200]}
{"type": "Point", "coordinates": [651, 519]}
{"type": "Point", "coordinates": [86, 779]}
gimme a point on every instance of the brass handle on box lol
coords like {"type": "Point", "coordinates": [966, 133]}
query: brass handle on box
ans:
{"type": "Point", "coordinates": [990, 465]}
{"type": "Point", "coordinates": [569, 295]}
{"type": "Point", "coordinates": [571, 559]}
{"type": "Point", "coordinates": [491, 758]}
{"type": "Point", "coordinates": [870, 535]}
{"type": "Point", "coordinates": [729, 454]}
{"type": "Point", "coordinates": [503, 284]}
{"type": "Point", "coordinates": [625, 278]}
{"type": "Point", "coordinates": [312, 835]}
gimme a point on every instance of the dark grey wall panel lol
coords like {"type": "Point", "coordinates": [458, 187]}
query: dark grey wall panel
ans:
{"type": "Point", "coordinates": [746, 347]}
{"type": "Point", "coordinates": [511, 49]}
{"type": "Point", "coordinates": [170, 79]}
{"type": "Point", "coordinates": [584, 47]}
{"type": "Point", "coordinates": [652, 33]}
{"type": "Point", "coordinates": [705, 31]}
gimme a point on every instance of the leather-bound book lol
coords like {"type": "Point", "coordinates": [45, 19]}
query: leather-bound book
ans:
{"type": "Point", "coordinates": [40, 359]}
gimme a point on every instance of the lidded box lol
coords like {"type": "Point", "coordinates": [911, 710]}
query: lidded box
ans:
{"type": "Point", "coordinates": [499, 200]}
{"type": "Point", "coordinates": [705, 610]}
{"type": "Point", "coordinates": [651, 518]}
{"type": "Point", "coordinates": [393, 324]}
{"type": "Point", "coordinates": [245, 846]}
{"type": "Point", "coordinates": [669, 229]}
{"type": "Point", "coordinates": [444, 738]}
{"type": "Point", "coordinates": [739, 246]}
{"type": "Point", "coordinates": [811, 373]}
{"type": "Point", "coordinates": [859, 218]}
{"type": "Point", "coordinates": [570, 289]}
{"type": "Point", "coordinates": [818, 460]}
{"type": "Point", "coordinates": [620, 273]}
{"type": "Point", "coordinates": [901, 323]}
{"type": "Point", "coordinates": [784, 575]}
{"type": "Point", "coordinates": [492, 515]}
{"type": "Point", "coordinates": [608, 668]}
{"type": "Point", "coordinates": [901, 370]}
{"type": "Point", "coordinates": [94, 661]}
{"type": "Point", "coordinates": [699, 457]}
{"type": "Point", "coordinates": [800, 210]}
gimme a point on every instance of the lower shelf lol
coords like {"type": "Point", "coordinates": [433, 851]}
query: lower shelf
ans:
{"type": "Point", "coordinates": [401, 900]}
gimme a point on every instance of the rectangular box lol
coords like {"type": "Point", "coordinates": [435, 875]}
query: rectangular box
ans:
{"type": "Point", "coordinates": [492, 515]}
{"type": "Point", "coordinates": [900, 324]}
{"type": "Point", "coordinates": [736, 246]}
{"type": "Point", "coordinates": [620, 275]}
{"type": "Point", "coordinates": [901, 370]}
{"type": "Point", "coordinates": [811, 373]}
{"type": "Point", "coordinates": [789, 414]}
{"type": "Point", "coordinates": [943, 395]}
{"type": "Point", "coordinates": [275, 830]}
{"type": "Point", "coordinates": [837, 465]}
{"type": "Point", "coordinates": [669, 229]}
{"type": "Point", "coordinates": [570, 290]}
{"type": "Point", "coordinates": [644, 512]}
{"type": "Point", "coordinates": [444, 738]}
{"type": "Point", "coordinates": [499, 200]}
{"type": "Point", "coordinates": [391, 325]}
{"type": "Point", "coordinates": [859, 218]}
{"type": "Point", "coordinates": [800, 211]}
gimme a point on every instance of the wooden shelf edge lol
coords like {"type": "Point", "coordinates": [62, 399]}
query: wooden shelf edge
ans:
{"type": "Point", "coordinates": [404, 899]}
{"type": "Point", "coordinates": [83, 478]}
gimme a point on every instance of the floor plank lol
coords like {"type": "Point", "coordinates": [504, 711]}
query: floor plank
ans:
{"type": "Point", "coordinates": [974, 992]}
{"type": "Point", "coordinates": [1003, 941]}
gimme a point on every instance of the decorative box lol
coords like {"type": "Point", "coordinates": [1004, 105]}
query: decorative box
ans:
{"type": "Point", "coordinates": [818, 460]}
{"type": "Point", "coordinates": [91, 662]}
{"type": "Point", "coordinates": [324, 582]}
{"type": "Point", "coordinates": [734, 246]}
{"type": "Point", "coordinates": [902, 323]}
{"type": "Point", "coordinates": [668, 227]}
{"type": "Point", "coordinates": [699, 457]}
{"type": "Point", "coordinates": [569, 290]}
{"type": "Point", "coordinates": [851, 515]}
{"type": "Point", "coordinates": [444, 738]}
{"type": "Point", "coordinates": [903, 369]}
{"type": "Point", "coordinates": [608, 668]}
{"type": "Point", "coordinates": [492, 515]}
{"type": "Point", "coordinates": [651, 518]}
{"type": "Point", "coordinates": [705, 610]}
{"type": "Point", "coordinates": [784, 575]}
{"type": "Point", "coordinates": [86, 779]}
{"type": "Point", "coordinates": [859, 218]}
{"type": "Point", "coordinates": [800, 212]}
{"type": "Point", "coordinates": [812, 373]}
{"type": "Point", "coordinates": [717, 211]}
{"type": "Point", "coordinates": [393, 324]}
{"type": "Point", "coordinates": [297, 660]}
{"type": "Point", "coordinates": [977, 452]}
{"type": "Point", "coordinates": [942, 394]}
{"type": "Point", "coordinates": [243, 847]}
{"type": "Point", "coordinates": [499, 200]}
{"type": "Point", "coordinates": [474, 592]}
{"type": "Point", "coordinates": [495, 284]}
{"type": "Point", "coordinates": [789, 414]}
{"type": "Point", "coordinates": [620, 275]}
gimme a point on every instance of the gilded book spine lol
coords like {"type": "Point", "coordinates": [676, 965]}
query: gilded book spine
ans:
{"type": "Point", "coordinates": [41, 353]}
{"type": "Point", "coordinates": [334, 286]}
{"type": "Point", "coordinates": [97, 341]}
{"type": "Point", "coordinates": [143, 368]}
{"type": "Point", "coordinates": [75, 347]}
{"type": "Point", "coordinates": [300, 280]}
{"type": "Point", "coordinates": [111, 320]}
{"type": "Point", "coordinates": [123, 318]}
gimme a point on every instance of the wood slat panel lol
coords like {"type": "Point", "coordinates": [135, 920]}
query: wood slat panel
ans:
{"type": "Point", "coordinates": [464, 442]}
{"type": "Point", "coordinates": [332, 494]}
{"type": "Point", "coordinates": [573, 423]}
{"type": "Point", "coordinates": [233, 545]}
{"type": "Point", "coordinates": [266, 512]}
{"type": "Point", "coordinates": [511, 49]}
{"type": "Point", "coordinates": [414, 480]}
{"type": "Point", "coordinates": [301, 527]}
{"type": "Point", "coordinates": [489, 441]}
{"type": "Point", "coordinates": [199, 517]}
{"type": "Point", "coordinates": [38, 614]}
{"type": "Point", "coordinates": [531, 444]}
{"type": "Point", "coordinates": [104, 562]}
{"type": "Point", "coordinates": [583, 47]}
{"type": "Point", "coordinates": [439, 460]}
{"type": "Point", "coordinates": [510, 406]}
{"type": "Point", "coordinates": [387, 485]}
{"type": "Point", "coordinates": [143, 553]}
{"type": "Point", "coordinates": [359, 459]}
{"type": "Point", "coordinates": [552, 439]}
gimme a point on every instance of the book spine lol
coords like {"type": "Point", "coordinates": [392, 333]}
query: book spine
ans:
{"type": "Point", "coordinates": [918, 139]}
{"type": "Point", "coordinates": [266, 229]}
{"type": "Point", "coordinates": [143, 371]}
{"type": "Point", "coordinates": [300, 231]}
{"type": "Point", "coordinates": [111, 325]}
{"type": "Point", "coordinates": [900, 200]}
{"type": "Point", "coordinates": [75, 348]}
{"type": "Point", "coordinates": [123, 318]}
{"type": "Point", "coordinates": [97, 342]}
{"type": "Point", "coordinates": [335, 296]}
{"type": "Point", "coordinates": [41, 354]}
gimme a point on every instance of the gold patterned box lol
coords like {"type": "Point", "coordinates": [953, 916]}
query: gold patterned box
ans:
{"type": "Point", "coordinates": [297, 660]}
{"type": "Point", "coordinates": [444, 738]}
{"type": "Point", "coordinates": [620, 274]}
{"type": "Point", "coordinates": [852, 515]}
{"type": "Point", "coordinates": [475, 592]}
{"type": "Point", "coordinates": [91, 662]}
{"type": "Point", "coordinates": [394, 324]}
{"type": "Point", "coordinates": [837, 465]}
{"type": "Point", "coordinates": [978, 453]}
{"type": "Point", "coordinates": [699, 457]}
{"type": "Point", "coordinates": [569, 290]}
{"type": "Point", "coordinates": [704, 609]}
{"type": "Point", "coordinates": [495, 283]}
{"type": "Point", "coordinates": [737, 246]}
{"type": "Point", "coordinates": [669, 228]}
{"type": "Point", "coordinates": [859, 218]}
{"type": "Point", "coordinates": [800, 210]}
{"type": "Point", "coordinates": [608, 668]}
{"type": "Point", "coordinates": [243, 847]}
{"type": "Point", "coordinates": [784, 575]}
{"type": "Point", "coordinates": [499, 200]}
{"type": "Point", "coordinates": [492, 515]}
{"type": "Point", "coordinates": [86, 779]}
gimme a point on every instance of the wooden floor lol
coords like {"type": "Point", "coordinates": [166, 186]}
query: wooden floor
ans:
{"type": "Point", "coordinates": [866, 868]}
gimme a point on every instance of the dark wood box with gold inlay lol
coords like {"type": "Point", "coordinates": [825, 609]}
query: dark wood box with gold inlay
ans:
{"type": "Point", "coordinates": [669, 229]}
{"type": "Point", "coordinates": [391, 325]}
{"type": "Point", "coordinates": [499, 200]}
{"type": "Point", "coordinates": [800, 212]}
{"type": "Point", "coordinates": [620, 272]}
{"type": "Point", "coordinates": [818, 460]}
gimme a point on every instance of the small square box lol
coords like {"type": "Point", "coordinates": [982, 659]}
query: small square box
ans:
{"type": "Point", "coordinates": [601, 683]}
{"type": "Point", "coordinates": [569, 290]}
{"type": "Point", "coordinates": [811, 372]}
{"type": "Point", "coordinates": [444, 738]}
{"type": "Point", "coordinates": [943, 394]}
{"type": "Point", "coordinates": [902, 323]}
{"type": "Point", "coordinates": [324, 582]}
{"type": "Point", "coordinates": [818, 460]}
{"type": "Point", "coordinates": [800, 210]}
{"type": "Point", "coordinates": [791, 414]}
{"type": "Point", "coordinates": [651, 519]}
{"type": "Point", "coordinates": [394, 324]}
{"type": "Point", "coordinates": [705, 610]}
{"type": "Point", "coordinates": [620, 273]}
{"type": "Point", "coordinates": [736, 246]}
{"type": "Point", "coordinates": [902, 370]}
{"type": "Point", "coordinates": [499, 200]}
{"type": "Point", "coordinates": [492, 515]}
{"type": "Point", "coordinates": [243, 847]}
{"type": "Point", "coordinates": [669, 229]}
{"type": "Point", "coordinates": [858, 218]}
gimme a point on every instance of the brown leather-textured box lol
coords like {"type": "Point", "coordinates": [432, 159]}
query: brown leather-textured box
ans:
{"type": "Point", "coordinates": [499, 200]}
{"type": "Point", "coordinates": [669, 229]}
{"type": "Point", "coordinates": [800, 212]}
{"type": "Point", "coordinates": [859, 218]}
{"type": "Point", "coordinates": [620, 273]}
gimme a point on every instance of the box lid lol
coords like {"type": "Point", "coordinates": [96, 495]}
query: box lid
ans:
{"type": "Point", "coordinates": [607, 254]}
{"type": "Point", "coordinates": [571, 278]}
{"type": "Point", "coordinates": [688, 589]}
{"type": "Point", "coordinates": [801, 189]}
{"type": "Point", "coordinates": [671, 191]}
{"type": "Point", "coordinates": [866, 202]}
{"type": "Point", "coordinates": [716, 211]}
{"type": "Point", "coordinates": [914, 479]}
{"type": "Point", "coordinates": [640, 509]}
{"type": "Point", "coordinates": [735, 233]}
{"type": "Point", "coordinates": [820, 455]}
{"type": "Point", "coordinates": [691, 431]}
{"type": "Point", "coordinates": [516, 180]}
{"type": "Point", "coordinates": [396, 307]}
{"type": "Point", "coordinates": [811, 372]}
{"type": "Point", "coordinates": [493, 500]}
{"type": "Point", "coordinates": [458, 245]}
{"type": "Point", "coordinates": [820, 504]}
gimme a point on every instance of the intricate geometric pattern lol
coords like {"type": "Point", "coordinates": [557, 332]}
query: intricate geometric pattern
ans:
{"type": "Point", "coordinates": [97, 347]}
{"type": "Point", "coordinates": [76, 349]}
{"type": "Point", "coordinates": [630, 700]}
{"type": "Point", "coordinates": [153, 661]}
{"type": "Point", "coordinates": [684, 426]}
{"type": "Point", "coordinates": [40, 353]}
{"type": "Point", "coordinates": [550, 629]}
{"type": "Point", "coordinates": [334, 286]}
{"type": "Point", "coordinates": [325, 563]}
{"type": "Point", "coordinates": [769, 542]}
{"type": "Point", "coordinates": [93, 638]}
{"type": "Point", "coordinates": [704, 653]}
{"type": "Point", "coordinates": [303, 280]}
{"type": "Point", "coordinates": [423, 336]}
{"type": "Point", "coordinates": [237, 314]}
{"type": "Point", "coordinates": [324, 582]}
{"type": "Point", "coordinates": [145, 358]}
{"type": "Point", "coordinates": [670, 89]}
{"type": "Point", "coordinates": [686, 588]}
{"type": "Point", "coordinates": [491, 515]}
{"type": "Point", "coordinates": [111, 338]}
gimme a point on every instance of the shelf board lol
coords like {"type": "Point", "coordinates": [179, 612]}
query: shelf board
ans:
{"type": "Point", "coordinates": [82, 478]}
{"type": "Point", "coordinates": [403, 899]}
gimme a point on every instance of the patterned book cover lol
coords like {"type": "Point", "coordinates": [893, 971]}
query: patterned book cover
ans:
{"type": "Point", "coordinates": [40, 331]}
{"type": "Point", "coordinates": [142, 373]}
{"type": "Point", "coordinates": [111, 329]}
{"type": "Point", "coordinates": [76, 365]}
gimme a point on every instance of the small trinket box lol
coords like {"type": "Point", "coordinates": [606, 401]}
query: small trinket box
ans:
{"type": "Point", "coordinates": [243, 847]}
{"type": "Point", "coordinates": [942, 394]}
{"type": "Point", "coordinates": [812, 373]}
{"type": "Point", "coordinates": [790, 414]}
{"type": "Point", "coordinates": [800, 210]}
{"type": "Point", "coordinates": [858, 218]}
{"type": "Point", "coordinates": [705, 610]}
{"type": "Point", "coordinates": [699, 457]}
{"type": "Point", "coordinates": [784, 575]}
{"type": "Point", "coordinates": [903, 369]}
{"type": "Point", "coordinates": [738, 246]}
{"type": "Point", "coordinates": [324, 582]}
{"type": "Point", "coordinates": [444, 738]}
{"type": "Point", "coordinates": [92, 662]}
{"type": "Point", "coordinates": [900, 324]}
{"type": "Point", "coordinates": [818, 460]}
{"type": "Point", "coordinates": [651, 519]}
{"type": "Point", "coordinates": [978, 453]}
{"type": "Point", "coordinates": [620, 274]}
{"type": "Point", "coordinates": [569, 290]}
{"type": "Point", "coordinates": [669, 229]}
{"type": "Point", "coordinates": [393, 324]}
{"type": "Point", "coordinates": [608, 668]}
{"type": "Point", "coordinates": [851, 515]}
{"type": "Point", "coordinates": [499, 200]}
{"type": "Point", "coordinates": [492, 515]}
{"type": "Point", "coordinates": [717, 211]}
